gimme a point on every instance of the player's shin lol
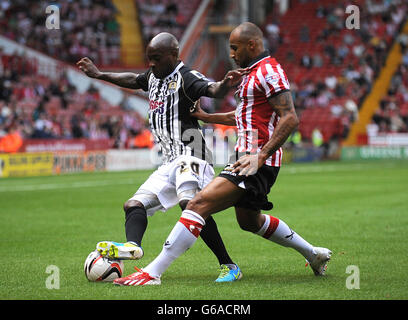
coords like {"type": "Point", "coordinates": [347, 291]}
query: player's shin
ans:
{"type": "Point", "coordinates": [213, 240]}
{"type": "Point", "coordinates": [279, 232]}
{"type": "Point", "coordinates": [135, 224]}
{"type": "Point", "coordinates": [181, 238]}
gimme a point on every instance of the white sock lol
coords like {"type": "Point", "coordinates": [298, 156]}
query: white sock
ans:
{"type": "Point", "coordinates": [181, 238]}
{"type": "Point", "coordinates": [279, 232]}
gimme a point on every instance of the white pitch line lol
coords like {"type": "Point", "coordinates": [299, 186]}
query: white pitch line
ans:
{"type": "Point", "coordinates": [332, 168]}
{"type": "Point", "coordinates": [328, 168]}
{"type": "Point", "coordinates": [73, 185]}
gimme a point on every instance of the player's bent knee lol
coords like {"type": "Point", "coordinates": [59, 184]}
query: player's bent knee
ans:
{"type": "Point", "coordinates": [144, 200]}
{"type": "Point", "coordinates": [131, 204]}
{"type": "Point", "coordinates": [245, 227]}
{"type": "Point", "coordinates": [197, 203]}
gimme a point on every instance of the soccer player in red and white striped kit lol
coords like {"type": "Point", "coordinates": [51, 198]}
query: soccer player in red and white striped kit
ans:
{"type": "Point", "coordinates": [265, 117]}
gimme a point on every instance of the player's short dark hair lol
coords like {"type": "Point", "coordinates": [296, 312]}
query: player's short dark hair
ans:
{"type": "Point", "coordinates": [248, 31]}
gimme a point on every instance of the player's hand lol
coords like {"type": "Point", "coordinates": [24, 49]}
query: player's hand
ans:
{"type": "Point", "coordinates": [247, 165]}
{"type": "Point", "coordinates": [196, 110]}
{"type": "Point", "coordinates": [87, 66]}
{"type": "Point", "coordinates": [233, 77]}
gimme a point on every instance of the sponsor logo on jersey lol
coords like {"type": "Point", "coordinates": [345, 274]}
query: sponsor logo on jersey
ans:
{"type": "Point", "coordinates": [272, 78]}
{"type": "Point", "coordinates": [156, 106]}
{"type": "Point", "coordinates": [172, 86]}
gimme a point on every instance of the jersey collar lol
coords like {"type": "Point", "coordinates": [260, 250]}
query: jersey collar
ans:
{"type": "Point", "coordinates": [176, 69]}
{"type": "Point", "coordinates": [258, 59]}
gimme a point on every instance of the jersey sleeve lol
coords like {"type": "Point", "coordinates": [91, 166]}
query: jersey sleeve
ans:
{"type": "Point", "coordinates": [273, 79]}
{"type": "Point", "coordinates": [195, 84]}
{"type": "Point", "coordinates": [143, 80]}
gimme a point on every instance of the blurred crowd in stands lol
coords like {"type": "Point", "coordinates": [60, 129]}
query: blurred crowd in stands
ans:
{"type": "Point", "coordinates": [87, 28]}
{"type": "Point", "coordinates": [165, 16]}
{"type": "Point", "coordinates": [32, 106]}
{"type": "Point", "coordinates": [392, 116]}
{"type": "Point", "coordinates": [334, 68]}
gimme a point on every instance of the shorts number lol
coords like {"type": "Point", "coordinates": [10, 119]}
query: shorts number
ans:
{"type": "Point", "coordinates": [194, 166]}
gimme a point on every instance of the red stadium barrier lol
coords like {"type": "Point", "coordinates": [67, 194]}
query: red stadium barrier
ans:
{"type": "Point", "coordinates": [61, 145]}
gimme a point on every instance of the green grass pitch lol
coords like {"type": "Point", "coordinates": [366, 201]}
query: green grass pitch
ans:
{"type": "Point", "coordinates": [357, 209]}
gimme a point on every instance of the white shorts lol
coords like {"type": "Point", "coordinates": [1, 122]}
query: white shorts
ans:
{"type": "Point", "coordinates": [171, 179]}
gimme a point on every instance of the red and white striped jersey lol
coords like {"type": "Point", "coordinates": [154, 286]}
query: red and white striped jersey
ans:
{"type": "Point", "coordinates": [255, 118]}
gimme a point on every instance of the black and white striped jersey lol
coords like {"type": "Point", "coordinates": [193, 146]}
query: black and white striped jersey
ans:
{"type": "Point", "coordinates": [170, 100]}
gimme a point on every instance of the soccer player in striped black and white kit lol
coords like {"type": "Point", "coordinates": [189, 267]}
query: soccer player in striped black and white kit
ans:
{"type": "Point", "coordinates": [173, 89]}
{"type": "Point", "coordinates": [265, 117]}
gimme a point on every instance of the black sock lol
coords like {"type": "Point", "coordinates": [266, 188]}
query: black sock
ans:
{"type": "Point", "coordinates": [135, 224]}
{"type": "Point", "coordinates": [213, 240]}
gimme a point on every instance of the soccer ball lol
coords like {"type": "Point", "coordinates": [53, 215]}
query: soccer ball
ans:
{"type": "Point", "coordinates": [98, 268]}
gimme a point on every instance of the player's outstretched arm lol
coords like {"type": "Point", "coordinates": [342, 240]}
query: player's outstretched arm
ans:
{"type": "Point", "coordinates": [227, 118]}
{"type": "Point", "coordinates": [232, 78]}
{"type": "Point", "coordinates": [123, 79]}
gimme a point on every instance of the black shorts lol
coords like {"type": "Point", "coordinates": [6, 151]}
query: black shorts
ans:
{"type": "Point", "coordinates": [257, 186]}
